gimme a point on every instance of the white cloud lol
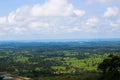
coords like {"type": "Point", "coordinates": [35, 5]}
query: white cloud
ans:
{"type": "Point", "coordinates": [19, 15]}
{"type": "Point", "coordinates": [22, 13]}
{"type": "Point", "coordinates": [55, 8]}
{"type": "Point", "coordinates": [115, 25]}
{"type": "Point", "coordinates": [48, 17]}
{"type": "Point", "coordinates": [92, 21]}
{"type": "Point", "coordinates": [101, 1]}
{"type": "Point", "coordinates": [18, 30]}
{"type": "Point", "coordinates": [111, 11]}
{"type": "Point", "coordinates": [11, 18]}
{"type": "Point", "coordinates": [37, 25]}
{"type": "Point", "coordinates": [52, 8]}
{"type": "Point", "coordinates": [3, 20]}
{"type": "Point", "coordinates": [79, 12]}
{"type": "Point", "coordinates": [91, 25]}
{"type": "Point", "coordinates": [56, 17]}
{"type": "Point", "coordinates": [74, 29]}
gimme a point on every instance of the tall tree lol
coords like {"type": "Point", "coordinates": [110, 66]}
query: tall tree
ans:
{"type": "Point", "coordinates": [110, 68]}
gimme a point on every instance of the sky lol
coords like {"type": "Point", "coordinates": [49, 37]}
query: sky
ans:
{"type": "Point", "coordinates": [59, 19]}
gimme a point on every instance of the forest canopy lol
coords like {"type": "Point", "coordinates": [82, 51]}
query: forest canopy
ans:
{"type": "Point", "coordinates": [43, 60]}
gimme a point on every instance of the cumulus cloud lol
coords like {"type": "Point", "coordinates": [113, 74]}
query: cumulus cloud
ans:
{"type": "Point", "coordinates": [48, 17]}
{"type": "Point", "coordinates": [111, 11]}
{"type": "Point", "coordinates": [52, 8]}
{"type": "Point", "coordinates": [101, 1]}
{"type": "Point", "coordinates": [74, 29]}
{"type": "Point", "coordinates": [38, 24]}
{"type": "Point", "coordinates": [79, 12]}
{"type": "Point", "coordinates": [19, 15]}
{"type": "Point", "coordinates": [91, 24]}
{"type": "Point", "coordinates": [115, 25]}
{"type": "Point", "coordinates": [11, 18]}
{"type": "Point", "coordinates": [3, 20]}
{"type": "Point", "coordinates": [56, 17]}
{"type": "Point", "coordinates": [92, 21]}
{"type": "Point", "coordinates": [18, 30]}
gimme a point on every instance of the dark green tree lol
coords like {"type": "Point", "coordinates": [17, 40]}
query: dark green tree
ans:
{"type": "Point", "coordinates": [110, 68]}
{"type": "Point", "coordinates": [1, 78]}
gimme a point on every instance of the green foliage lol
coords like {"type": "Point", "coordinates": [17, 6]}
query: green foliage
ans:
{"type": "Point", "coordinates": [64, 60]}
{"type": "Point", "coordinates": [84, 76]}
{"type": "Point", "coordinates": [110, 68]}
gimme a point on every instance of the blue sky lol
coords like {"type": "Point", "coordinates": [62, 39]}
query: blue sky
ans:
{"type": "Point", "coordinates": [59, 19]}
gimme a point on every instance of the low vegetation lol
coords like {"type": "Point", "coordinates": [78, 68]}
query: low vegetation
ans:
{"type": "Point", "coordinates": [60, 60]}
